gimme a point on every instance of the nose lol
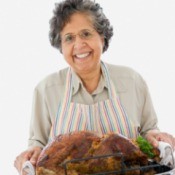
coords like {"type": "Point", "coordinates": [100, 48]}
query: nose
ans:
{"type": "Point", "coordinates": [79, 42]}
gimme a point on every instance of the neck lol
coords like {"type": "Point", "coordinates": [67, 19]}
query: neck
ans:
{"type": "Point", "coordinates": [91, 80]}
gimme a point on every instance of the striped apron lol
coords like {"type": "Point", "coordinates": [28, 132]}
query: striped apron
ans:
{"type": "Point", "coordinates": [102, 117]}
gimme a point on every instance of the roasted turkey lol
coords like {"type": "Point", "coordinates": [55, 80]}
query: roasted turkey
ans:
{"type": "Point", "coordinates": [81, 153]}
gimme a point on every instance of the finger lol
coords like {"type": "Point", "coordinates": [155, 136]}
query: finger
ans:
{"type": "Point", "coordinates": [35, 156]}
{"type": "Point", "coordinates": [19, 162]}
{"type": "Point", "coordinates": [17, 165]}
{"type": "Point", "coordinates": [153, 141]}
{"type": "Point", "coordinates": [28, 155]}
{"type": "Point", "coordinates": [170, 140]}
{"type": "Point", "coordinates": [173, 144]}
{"type": "Point", "coordinates": [165, 137]}
{"type": "Point", "coordinates": [23, 157]}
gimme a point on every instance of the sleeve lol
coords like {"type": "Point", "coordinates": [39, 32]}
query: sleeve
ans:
{"type": "Point", "coordinates": [149, 119]}
{"type": "Point", "coordinates": [40, 123]}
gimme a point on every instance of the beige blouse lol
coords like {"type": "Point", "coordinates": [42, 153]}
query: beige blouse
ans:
{"type": "Point", "coordinates": [130, 87]}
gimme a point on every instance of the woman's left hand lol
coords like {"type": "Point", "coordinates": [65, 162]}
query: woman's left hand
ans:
{"type": "Point", "coordinates": [154, 136]}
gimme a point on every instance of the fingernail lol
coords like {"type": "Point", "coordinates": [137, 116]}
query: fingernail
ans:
{"type": "Point", "coordinates": [32, 161]}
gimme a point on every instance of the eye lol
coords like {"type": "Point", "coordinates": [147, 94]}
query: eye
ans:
{"type": "Point", "coordinates": [86, 34]}
{"type": "Point", "coordinates": [68, 38]}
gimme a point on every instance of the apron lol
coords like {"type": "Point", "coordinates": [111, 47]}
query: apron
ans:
{"type": "Point", "coordinates": [102, 117]}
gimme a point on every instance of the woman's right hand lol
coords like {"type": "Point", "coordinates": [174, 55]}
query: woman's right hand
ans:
{"type": "Point", "coordinates": [30, 154]}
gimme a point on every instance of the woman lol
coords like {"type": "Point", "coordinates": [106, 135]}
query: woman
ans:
{"type": "Point", "coordinates": [90, 94]}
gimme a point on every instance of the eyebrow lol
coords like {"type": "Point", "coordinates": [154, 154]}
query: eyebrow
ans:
{"type": "Point", "coordinates": [78, 32]}
{"type": "Point", "coordinates": [69, 34]}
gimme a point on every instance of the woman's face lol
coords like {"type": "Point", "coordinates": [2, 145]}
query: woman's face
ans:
{"type": "Point", "coordinates": [81, 45]}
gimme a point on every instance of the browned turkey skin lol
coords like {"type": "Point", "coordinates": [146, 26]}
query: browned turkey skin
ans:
{"type": "Point", "coordinates": [77, 145]}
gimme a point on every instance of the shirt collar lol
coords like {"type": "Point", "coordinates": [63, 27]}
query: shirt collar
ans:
{"type": "Point", "coordinates": [77, 83]}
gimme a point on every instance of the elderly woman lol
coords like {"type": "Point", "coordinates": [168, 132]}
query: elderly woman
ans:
{"type": "Point", "coordinates": [90, 94]}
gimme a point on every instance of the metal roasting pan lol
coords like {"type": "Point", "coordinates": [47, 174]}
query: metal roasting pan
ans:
{"type": "Point", "coordinates": [160, 169]}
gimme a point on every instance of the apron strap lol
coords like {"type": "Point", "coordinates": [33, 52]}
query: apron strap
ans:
{"type": "Point", "coordinates": [111, 88]}
{"type": "Point", "coordinates": [63, 107]}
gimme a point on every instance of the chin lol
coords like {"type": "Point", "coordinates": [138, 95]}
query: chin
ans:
{"type": "Point", "coordinates": [83, 68]}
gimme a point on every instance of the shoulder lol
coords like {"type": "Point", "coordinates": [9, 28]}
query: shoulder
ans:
{"type": "Point", "coordinates": [126, 77]}
{"type": "Point", "coordinates": [53, 80]}
{"type": "Point", "coordinates": [122, 71]}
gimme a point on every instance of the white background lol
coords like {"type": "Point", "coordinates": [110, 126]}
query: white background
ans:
{"type": "Point", "coordinates": [144, 39]}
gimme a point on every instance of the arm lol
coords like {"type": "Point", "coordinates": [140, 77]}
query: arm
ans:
{"type": "Point", "coordinates": [40, 123]}
{"type": "Point", "coordinates": [149, 122]}
{"type": "Point", "coordinates": [146, 113]}
{"type": "Point", "coordinates": [39, 130]}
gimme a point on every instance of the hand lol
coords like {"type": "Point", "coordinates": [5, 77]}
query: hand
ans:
{"type": "Point", "coordinates": [30, 154]}
{"type": "Point", "coordinates": [155, 136]}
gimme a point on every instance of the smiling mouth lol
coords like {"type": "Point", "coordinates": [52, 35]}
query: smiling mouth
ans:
{"type": "Point", "coordinates": [82, 56]}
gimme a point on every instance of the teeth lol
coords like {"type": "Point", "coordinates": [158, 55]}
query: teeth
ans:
{"type": "Point", "coordinates": [82, 55]}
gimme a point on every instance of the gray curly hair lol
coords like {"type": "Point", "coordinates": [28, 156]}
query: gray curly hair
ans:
{"type": "Point", "coordinates": [66, 8]}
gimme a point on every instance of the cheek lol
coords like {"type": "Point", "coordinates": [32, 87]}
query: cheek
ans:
{"type": "Point", "coordinates": [99, 48]}
{"type": "Point", "coordinates": [97, 44]}
{"type": "Point", "coordinates": [66, 54]}
{"type": "Point", "coordinates": [100, 45]}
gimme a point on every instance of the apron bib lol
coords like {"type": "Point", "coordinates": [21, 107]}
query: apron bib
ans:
{"type": "Point", "coordinates": [102, 117]}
